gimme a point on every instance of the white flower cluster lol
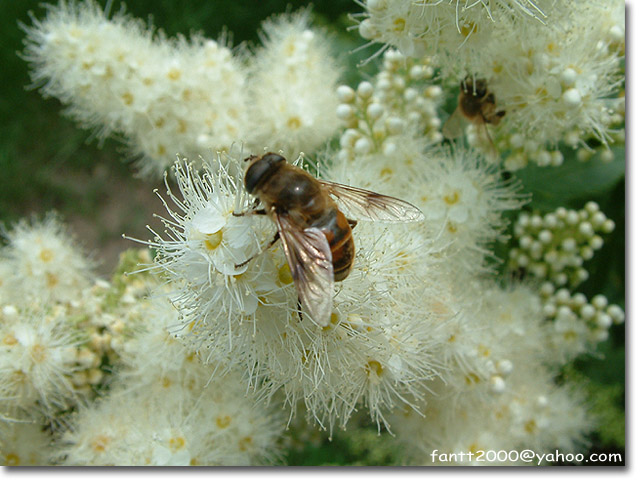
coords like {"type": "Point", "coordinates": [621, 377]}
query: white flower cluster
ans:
{"type": "Point", "coordinates": [499, 394]}
{"type": "Point", "coordinates": [47, 359]}
{"type": "Point", "coordinates": [37, 360]}
{"type": "Point", "coordinates": [402, 98]}
{"type": "Point", "coordinates": [290, 107]}
{"type": "Point", "coordinates": [167, 408]}
{"type": "Point", "coordinates": [404, 324]}
{"type": "Point", "coordinates": [169, 96]}
{"type": "Point", "coordinates": [578, 325]}
{"type": "Point", "coordinates": [41, 261]}
{"type": "Point", "coordinates": [554, 246]}
{"type": "Point", "coordinates": [461, 194]}
{"type": "Point", "coordinates": [558, 77]}
{"type": "Point", "coordinates": [60, 343]}
{"type": "Point", "coordinates": [248, 314]}
{"type": "Point", "coordinates": [419, 27]}
{"type": "Point", "coordinates": [421, 337]}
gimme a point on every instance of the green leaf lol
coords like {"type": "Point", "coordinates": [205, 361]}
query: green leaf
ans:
{"type": "Point", "coordinates": [555, 186]}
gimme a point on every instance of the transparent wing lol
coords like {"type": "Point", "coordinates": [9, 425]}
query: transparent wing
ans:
{"type": "Point", "coordinates": [310, 260]}
{"type": "Point", "coordinates": [360, 204]}
{"type": "Point", "coordinates": [454, 125]}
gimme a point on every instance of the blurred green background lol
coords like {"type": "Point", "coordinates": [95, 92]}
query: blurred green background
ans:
{"type": "Point", "coordinates": [47, 163]}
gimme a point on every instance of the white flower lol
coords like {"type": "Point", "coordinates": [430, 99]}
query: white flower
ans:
{"type": "Point", "coordinates": [37, 359]}
{"type": "Point", "coordinates": [292, 81]}
{"type": "Point", "coordinates": [24, 444]}
{"type": "Point", "coordinates": [207, 243]}
{"type": "Point", "coordinates": [45, 263]}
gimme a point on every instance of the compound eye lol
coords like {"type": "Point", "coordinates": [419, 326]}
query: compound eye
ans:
{"type": "Point", "coordinates": [260, 169]}
{"type": "Point", "coordinates": [481, 88]}
{"type": "Point", "coordinates": [273, 158]}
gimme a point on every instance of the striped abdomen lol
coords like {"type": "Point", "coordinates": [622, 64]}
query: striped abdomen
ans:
{"type": "Point", "coordinates": [338, 232]}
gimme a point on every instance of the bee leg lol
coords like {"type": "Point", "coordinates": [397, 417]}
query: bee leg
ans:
{"type": "Point", "coordinates": [352, 223]}
{"type": "Point", "coordinates": [299, 308]}
{"type": "Point", "coordinates": [260, 211]}
{"type": "Point", "coordinates": [274, 240]}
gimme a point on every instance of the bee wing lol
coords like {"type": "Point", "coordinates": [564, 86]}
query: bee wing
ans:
{"type": "Point", "coordinates": [310, 260]}
{"type": "Point", "coordinates": [360, 204]}
{"type": "Point", "coordinates": [454, 125]}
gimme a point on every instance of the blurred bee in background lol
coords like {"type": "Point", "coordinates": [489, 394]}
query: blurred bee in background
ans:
{"type": "Point", "coordinates": [476, 104]}
{"type": "Point", "coordinates": [316, 235]}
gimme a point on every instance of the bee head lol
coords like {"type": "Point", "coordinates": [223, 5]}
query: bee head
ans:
{"type": "Point", "coordinates": [475, 87]}
{"type": "Point", "coordinates": [260, 169]}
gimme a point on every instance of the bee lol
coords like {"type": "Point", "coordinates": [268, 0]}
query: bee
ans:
{"type": "Point", "coordinates": [315, 232]}
{"type": "Point", "coordinates": [476, 104]}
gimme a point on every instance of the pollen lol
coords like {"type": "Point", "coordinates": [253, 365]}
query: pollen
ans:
{"type": "Point", "coordinates": [245, 443]}
{"type": "Point", "coordinates": [9, 339]}
{"type": "Point", "coordinates": [174, 74]}
{"type": "Point", "coordinates": [483, 351]}
{"type": "Point", "coordinates": [373, 366]}
{"type": "Point", "coordinates": [530, 426]}
{"type": "Point", "coordinates": [334, 320]}
{"type": "Point", "coordinates": [52, 280]}
{"type": "Point", "coordinates": [305, 355]}
{"type": "Point", "coordinates": [223, 421]}
{"type": "Point", "coordinates": [127, 98]}
{"type": "Point", "coordinates": [471, 378]}
{"type": "Point", "coordinates": [213, 240]}
{"type": "Point", "coordinates": [177, 443]}
{"type": "Point", "coordinates": [284, 275]}
{"type": "Point", "coordinates": [468, 28]}
{"type": "Point", "coordinates": [290, 48]}
{"type": "Point", "coordinates": [399, 24]}
{"type": "Point", "coordinates": [386, 172]}
{"type": "Point", "coordinates": [38, 353]}
{"type": "Point", "coordinates": [11, 460]}
{"type": "Point", "coordinates": [46, 255]}
{"type": "Point", "coordinates": [18, 377]}
{"type": "Point", "coordinates": [294, 123]}
{"type": "Point", "coordinates": [100, 443]}
{"type": "Point", "coordinates": [452, 198]}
